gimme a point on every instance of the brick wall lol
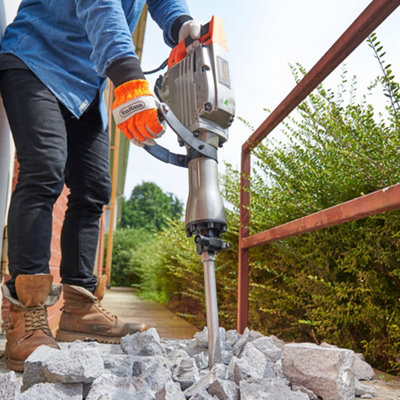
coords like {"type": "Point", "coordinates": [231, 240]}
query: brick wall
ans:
{"type": "Point", "coordinates": [55, 259]}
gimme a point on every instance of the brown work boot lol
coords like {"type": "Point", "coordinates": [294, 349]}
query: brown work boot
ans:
{"type": "Point", "coordinates": [84, 317]}
{"type": "Point", "coordinates": [27, 327]}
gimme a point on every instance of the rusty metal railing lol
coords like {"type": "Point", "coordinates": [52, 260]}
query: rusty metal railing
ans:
{"type": "Point", "coordinates": [373, 203]}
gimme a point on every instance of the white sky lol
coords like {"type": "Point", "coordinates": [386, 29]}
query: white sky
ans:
{"type": "Point", "coordinates": [264, 37]}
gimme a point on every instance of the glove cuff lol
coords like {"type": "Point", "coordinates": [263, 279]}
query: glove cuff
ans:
{"type": "Point", "coordinates": [123, 70]}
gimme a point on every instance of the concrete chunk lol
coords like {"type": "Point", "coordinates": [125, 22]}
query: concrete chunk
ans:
{"type": "Point", "coordinates": [192, 348]}
{"type": "Point", "coordinates": [240, 343]}
{"type": "Point", "coordinates": [251, 364]}
{"type": "Point", "coordinates": [363, 390]}
{"type": "Point", "coordinates": [224, 390]}
{"type": "Point", "coordinates": [141, 363]}
{"type": "Point", "coordinates": [157, 375]}
{"type": "Point", "coordinates": [185, 372]}
{"type": "Point", "coordinates": [232, 337]}
{"type": "Point", "coordinates": [278, 370]}
{"type": "Point", "coordinates": [253, 335]}
{"type": "Point", "coordinates": [268, 389]}
{"type": "Point", "coordinates": [217, 371]}
{"type": "Point", "coordinates": [145, 343]}
{"type": "Point", "coordinates": [226, 356]}
{"type": "Point", "coordinates": [202, 338]}
{"type": "Point", "coordinates": [203, 395]}
{"type": "Point", "coordinates": [75, 365]}
{"type": "Point", "coordinates": [177, 354]}
{"type": "Point", "coordinates": [119, 364]}
{"type": "Point", "coordinates": [112, 387]}
{"type": "Point", "coordinates": [57, 391]}
{"type": "Point", "coordinates": [362, 370]}
{"type": "Point", "coordinates": [201, 360]}
{"type": "Point", "coordinates": [327, 371]}
{"type": "Point", "coordinates": [311, 395]}
{"type": "Point", "coordinates": [268, 347]}
{"type": "Point", "coordinates": [170, 391]}
{"type": "Point", "coordinates": [33, 373]}
{"type": "Point", "coordinates": [143, 391]}
{"type": "Point", "coordinates": [9, 386]}
{"type": "Point", "coordinates": [278, 342]}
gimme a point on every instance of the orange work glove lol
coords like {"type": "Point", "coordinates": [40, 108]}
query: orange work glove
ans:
{"type": "Point", "coordinates": [135, 112]}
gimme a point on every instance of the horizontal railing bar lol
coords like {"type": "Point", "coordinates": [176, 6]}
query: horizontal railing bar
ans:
{"type": "Point", "coordinates": [378, 202]}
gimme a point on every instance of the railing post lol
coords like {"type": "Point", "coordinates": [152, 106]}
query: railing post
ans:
{"type": "Point", "coordinates": [244, 256]}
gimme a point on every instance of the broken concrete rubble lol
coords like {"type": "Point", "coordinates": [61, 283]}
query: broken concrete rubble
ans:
{"type": "Point", "coordinates": [53, 391]}
{"type": "Point", "coordinates": [145, 343]}
{"type": "Point", "coordinates": [217, 371]}
{"type": "Point", "coordinates": [80, 363]}
{"type": "Point", "coordinates": [118, 364]}
{"type": "Point", "coordinates": [252, 364]}
{"type": "Point", "coordinates": [146, 367]}
{"type": "Point", "coordinates": [185, 372]}
{"type": "Point", "coordinates": [268, 389]}
{"type": "Point", "coordinates": [362, 370]}
{"type": "Point", "coordinates": [224, 390]}
{"type": "Point", "coordinates": [327, 371]}
{"type": "Point", "coordinates": [9, 386]}
{"type": "Point", "coordinates": [268, 347]}
{"type": "Point", "coordinates": [156, 375]}
{"type": "Point", "coordinates": [111, 387]}
{"type": "Point", "coordinates": [141, 363]}
{"type": "Point", "coordinates": [170, 391]}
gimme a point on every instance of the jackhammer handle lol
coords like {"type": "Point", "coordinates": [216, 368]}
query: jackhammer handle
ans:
{"type": "Point", "coordinates": [184, 134]}
{"type": "Point", "coordinates": [210, 32]}
{"type": "Point", "coordinates": [204, 31]}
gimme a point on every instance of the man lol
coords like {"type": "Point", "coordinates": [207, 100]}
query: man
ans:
{"type": "Point", "coordinates": [54, 59]}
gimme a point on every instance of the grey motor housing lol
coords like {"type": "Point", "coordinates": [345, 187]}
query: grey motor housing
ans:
{"type": "Point", "coordinates": [198, 91]}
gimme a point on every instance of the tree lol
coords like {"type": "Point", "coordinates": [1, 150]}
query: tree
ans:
{"type": "Point", "coordinates": [150, 208]}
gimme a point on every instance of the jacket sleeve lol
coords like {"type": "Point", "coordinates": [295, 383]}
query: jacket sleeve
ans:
{"type": "Point", "coordinates": [107, 29]}
{"type": "Point", "coordinates": [165, 13]}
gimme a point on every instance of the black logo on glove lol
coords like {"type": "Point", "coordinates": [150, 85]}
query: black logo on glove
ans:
{"type": "Point", "coordinates": [131, 109]}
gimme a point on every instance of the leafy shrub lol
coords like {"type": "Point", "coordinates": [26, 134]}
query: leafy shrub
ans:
{"type": "Point", "coordinates": [341, 284]}
{"type": "Point", "coordinates": [126, 243]}
{"type": "Point", "coordinates": [136, 254]}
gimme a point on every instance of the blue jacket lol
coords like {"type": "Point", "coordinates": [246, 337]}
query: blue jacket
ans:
{"type": "Point", "coordinates": [69, 44]}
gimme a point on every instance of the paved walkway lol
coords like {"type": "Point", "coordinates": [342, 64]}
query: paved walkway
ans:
{"type": "Point", "coordinates": [123, 302]}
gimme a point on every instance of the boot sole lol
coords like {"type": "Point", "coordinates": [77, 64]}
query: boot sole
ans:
{"type": "Point", "coordinates": [65, 336]}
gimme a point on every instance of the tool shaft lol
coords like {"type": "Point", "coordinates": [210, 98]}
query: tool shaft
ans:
{"type": "Point", "coordinates": [214, 345]}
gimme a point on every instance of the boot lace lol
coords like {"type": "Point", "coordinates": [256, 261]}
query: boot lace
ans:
{"type": "Point", "coordinates": [98, 303]}
{"type": "Point", "coordinates": [36, 318]}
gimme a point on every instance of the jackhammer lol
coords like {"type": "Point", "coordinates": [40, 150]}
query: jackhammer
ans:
{"type": "Point", "coordinates": [198, 104]}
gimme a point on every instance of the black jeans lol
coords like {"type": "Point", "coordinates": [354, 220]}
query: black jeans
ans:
{"type": "Point", "coordinates": [53, 147]}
